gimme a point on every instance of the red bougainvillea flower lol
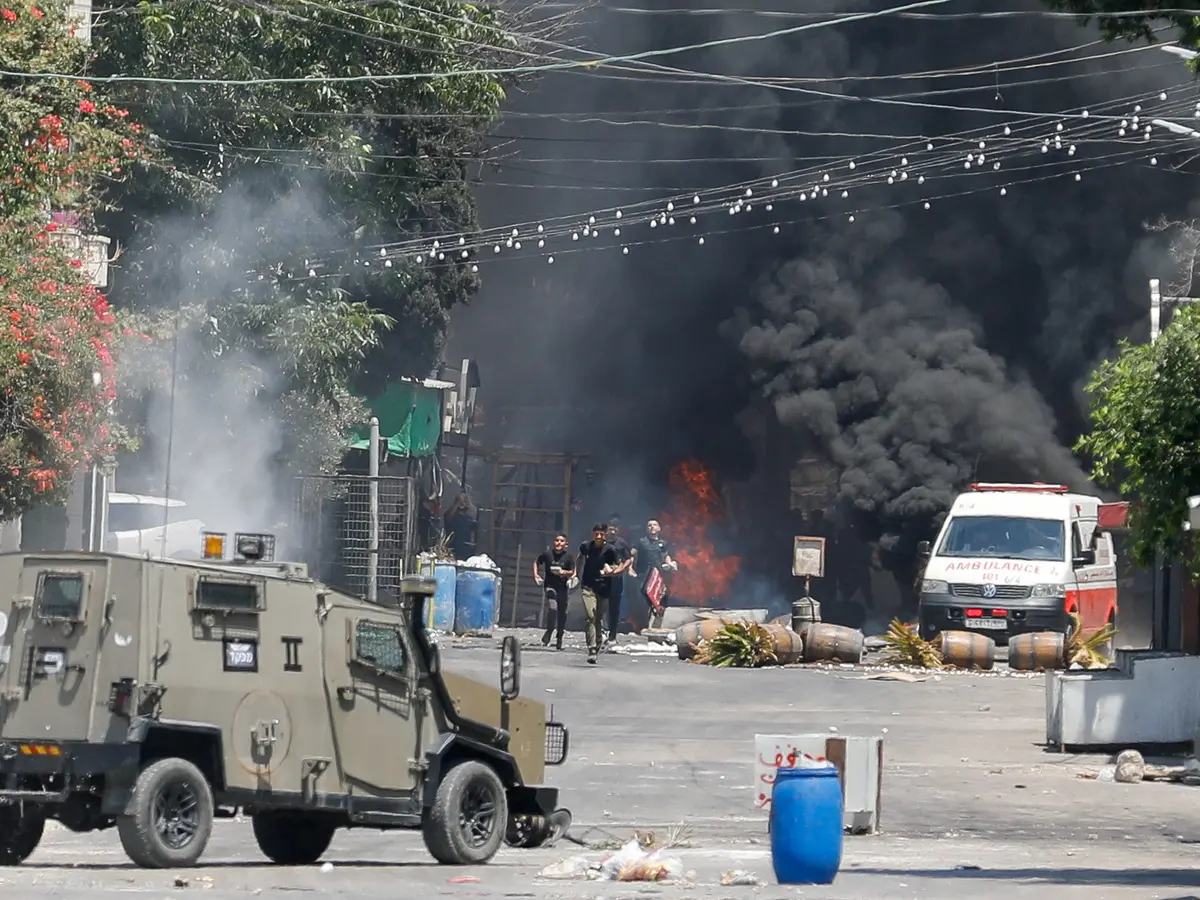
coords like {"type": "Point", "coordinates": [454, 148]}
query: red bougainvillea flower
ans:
{"type": "Point", "coordinates": [9, 15]}
{"type": "Point", "coordinates": [37, 13]}
{"type": "Point", "coordinates": [87, 106]}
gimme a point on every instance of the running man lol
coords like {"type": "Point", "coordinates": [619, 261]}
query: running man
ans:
{"type": "Point", "coordinates": [597, 563]}
{"type": "Point", "coordinates": [651, 554]}
{"type": "Point", "coordinates": [624, 562]}
{"type": "Point", "coordinates": [552, 570]}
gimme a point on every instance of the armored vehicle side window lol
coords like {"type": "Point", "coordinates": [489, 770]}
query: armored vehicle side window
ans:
{"type": "Point", "coordinates": [60, 595]}
{"type": "Point", "coordinates": [379, 646]}
{"type": "Point", "coordinates": [240, 596]}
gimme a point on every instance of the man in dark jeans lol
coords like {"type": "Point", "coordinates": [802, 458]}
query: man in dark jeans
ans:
{"type": "Point", "coordinates": [596, 565]}
{"type": "Point", "coordinates": [624, 560]}
{"type": "Point", "coordinates": [553, 570]}
{"type": "Point", "coordinates": [652, 552]}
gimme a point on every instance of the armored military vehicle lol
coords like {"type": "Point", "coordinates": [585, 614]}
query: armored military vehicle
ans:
{"type": "Point", "coordinates": [156, 695]}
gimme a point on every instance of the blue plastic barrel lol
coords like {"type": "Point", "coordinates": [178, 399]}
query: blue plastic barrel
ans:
{"type": "Point", "coordinates": [806, 825]}
{"type": "Point", "coordinates": [475, 600]}
{"type": "Point", "coordinates": [442, 604]}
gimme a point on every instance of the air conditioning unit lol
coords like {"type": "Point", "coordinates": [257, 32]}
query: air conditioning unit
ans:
{"type": "Point", "coordinates": [460, 401]}
{"type": "Point", "coordinates": [81, 11]}
{"type": "Point", "coordinates": [90, 249]}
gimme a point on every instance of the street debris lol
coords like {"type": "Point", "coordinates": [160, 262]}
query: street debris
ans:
{"type": "Point", "coordinates": [737, 878]}
{"type": "Point", "coordinates": [631, 863]}
{"type": "Point", "coordinates": [1131, 768]}
{"type": "Point", "coordinates": [647, 649]}
{"type": "Point", "coordinates": [642, 858]}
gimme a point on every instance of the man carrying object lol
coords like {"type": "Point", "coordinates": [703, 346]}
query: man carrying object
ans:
{"type": "Point", "coordinates": [552, 571]}
{"type": "Point", "coordinates": [597, 564]}
{"type": "Point", "coordinates": [652, 555]}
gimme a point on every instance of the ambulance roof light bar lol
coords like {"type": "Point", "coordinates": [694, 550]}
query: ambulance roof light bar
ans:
{"type": "Point", "coordinates": [1038, 487]}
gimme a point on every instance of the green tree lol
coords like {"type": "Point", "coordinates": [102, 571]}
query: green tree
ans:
{"type": "Point", "coordinates": [289, 357]}
{"type": "Point", "coordinates": [278, 176]}
{"type": "Point", "coordinates": [1136, 21]}
{"type": "Point", "coordinates": [1145, 436]}
{"type": "Point", "coordinates": [65, 146]}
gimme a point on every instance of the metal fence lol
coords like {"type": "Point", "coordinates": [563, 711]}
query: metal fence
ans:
{"type": "Point", "coordinates": [333, 524]}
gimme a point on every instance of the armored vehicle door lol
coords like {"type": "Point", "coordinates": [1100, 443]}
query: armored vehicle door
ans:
{"type": "Point", "coordinates": [374, 703]}
{"type": "Point", "coordinates": [58, 622]}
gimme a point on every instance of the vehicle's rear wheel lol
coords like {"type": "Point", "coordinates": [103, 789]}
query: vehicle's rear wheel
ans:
{"type": "Point", "coordinates": [467, 822]}
{"type": "Point", "coordinates": [172, 816]}
{"type": "Point", "coordinates": [292, 838]}
{"type": "Point", "coordinates": [21, 829]}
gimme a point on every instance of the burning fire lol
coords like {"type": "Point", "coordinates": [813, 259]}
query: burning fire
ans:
{"type": "Point", "coordinates": [694, 506]}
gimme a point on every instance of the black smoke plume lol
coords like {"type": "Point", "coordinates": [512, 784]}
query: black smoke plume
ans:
{"type": "Point", "coordinates": [883, 369]}
{"type": "Point", "coordinates": [916, 349]}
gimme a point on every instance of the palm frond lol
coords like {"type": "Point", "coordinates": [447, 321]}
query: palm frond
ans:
{"type": "Point", "coordinates": [742, 645]}
{"type": "Point", "coordinates": [1086, 649]}
{"type": "Point", "coordinates": [906, 647]}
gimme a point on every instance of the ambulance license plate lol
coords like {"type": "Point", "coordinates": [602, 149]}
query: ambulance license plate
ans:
{"type": "Point", "coordinates": [991, 624]}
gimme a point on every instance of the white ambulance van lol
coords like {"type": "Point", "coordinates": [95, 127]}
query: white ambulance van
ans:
{"type": "Point", "coordinates": [1014, 558]}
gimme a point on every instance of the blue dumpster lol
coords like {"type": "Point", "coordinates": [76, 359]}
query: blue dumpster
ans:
{"type": "Point", "coordinates": [475, 600]}
{"type": "Point", "coordinates": [806, 825]}
{"type": "Point", "coordinates": [440, 613]}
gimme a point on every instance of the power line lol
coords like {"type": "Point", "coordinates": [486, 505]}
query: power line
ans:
{"type": "Point", "coordinates": [508, 70]}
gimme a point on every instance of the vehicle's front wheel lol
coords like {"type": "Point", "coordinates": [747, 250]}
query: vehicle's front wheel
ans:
{"type": "Point", "coordinates": [467, 822]}
{"type": "Point", "coordinates": [172, 816]}
{"type": "Point", "coordinates": [21, 828]}
{"type": "Point", "coordinates": [292, 838]}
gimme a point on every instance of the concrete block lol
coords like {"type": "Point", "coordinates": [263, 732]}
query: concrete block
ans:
{"type": "Point", "coordinates": [678, 616]}
{"type": "Point", "coordinates": [1149, 698]}
{"type": "Point", "coordinates": [746, 615]}
{"type": "Point", "coordinates": [859, 761]}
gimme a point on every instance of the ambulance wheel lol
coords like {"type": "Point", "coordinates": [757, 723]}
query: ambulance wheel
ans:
{"type": "Point", "coordinates": [467, 822]}
{"type": "Point", "coordinates": [21, 828]}
{"type": "Point", "coordinates": [172, 816]}
{"type": "Point", "coordinates": [292, 838]}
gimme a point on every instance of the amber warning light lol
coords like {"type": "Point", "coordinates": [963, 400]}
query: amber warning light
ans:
{"type": "Point", "coordinates": [214, 545]}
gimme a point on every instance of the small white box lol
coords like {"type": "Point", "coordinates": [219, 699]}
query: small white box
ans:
{"type": "Point", "coordinates": [859, 761]}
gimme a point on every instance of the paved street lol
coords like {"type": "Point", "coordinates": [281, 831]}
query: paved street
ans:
{"type": "Point", "coordinates": [972, 805]}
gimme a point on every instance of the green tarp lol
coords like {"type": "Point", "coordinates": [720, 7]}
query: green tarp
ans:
{"type": "Point", "coordinates": [410, 417]}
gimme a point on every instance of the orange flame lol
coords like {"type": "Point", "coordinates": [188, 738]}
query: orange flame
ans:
{"type": "Point", "coordinates": [694, 506]}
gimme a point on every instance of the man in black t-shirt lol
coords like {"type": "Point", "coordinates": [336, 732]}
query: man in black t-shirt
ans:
{"type": "Point", "coordinates": [650, 553]}
{"type": "Point", "coordinates": [624, 561]}
{"type": "Point", "coordinates": [552, 571]}
{"type": "Point", "coordinates": [596, 565]}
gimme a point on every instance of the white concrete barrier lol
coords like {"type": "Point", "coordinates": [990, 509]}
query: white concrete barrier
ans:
{"type": "Point", "coordinates": [859, 761]}
{"type": "Point", "coordinates": [1149, 698]}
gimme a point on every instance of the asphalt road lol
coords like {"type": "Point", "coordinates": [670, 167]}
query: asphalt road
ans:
{"type": "Point", "coordinates": [972, 805]}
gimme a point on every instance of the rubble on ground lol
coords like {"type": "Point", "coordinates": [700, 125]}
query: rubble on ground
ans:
{"type": "Point", "coordinates": [1130, 767]}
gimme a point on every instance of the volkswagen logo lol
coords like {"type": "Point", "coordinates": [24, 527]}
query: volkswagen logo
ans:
{"type": "Point", "coordinates": [989, 591]}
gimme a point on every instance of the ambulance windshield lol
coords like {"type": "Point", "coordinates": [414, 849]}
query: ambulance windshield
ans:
{"type": "Point", "coordinates": [1004, 537]}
